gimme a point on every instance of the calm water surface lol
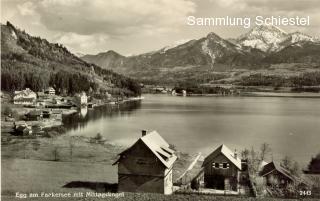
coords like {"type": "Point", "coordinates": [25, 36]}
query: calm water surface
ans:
{"type": "Point", "coordinates": [199, 124]}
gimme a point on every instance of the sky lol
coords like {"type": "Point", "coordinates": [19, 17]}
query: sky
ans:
{"type": "Point", "coordinates": [132, 27]}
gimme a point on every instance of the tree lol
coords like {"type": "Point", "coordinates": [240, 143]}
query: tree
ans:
{"type": "Point", "coordinates": [264, 151]}
{"type": "Point", "coordinates": [7, 111]}
{"type": "Point", "coordinates": [253, 162]}
{"type": "Point", "coordinates": [314, 165]}
{"type": "Point", "coordinates": [173, 147]}
{"type": "Point", "coordinates": [292, 166]}
{"type": "Point", "coordinates": [245, 154]}
{"type": "Point", "coordinates": [286, 162]}
{"type": "Point", "coordinates": [295, 169]}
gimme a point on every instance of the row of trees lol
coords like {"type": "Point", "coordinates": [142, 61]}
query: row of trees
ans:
{"type": "Point", "coordinates": [18, 74]}
{"type": "Point", "coordinates": [64, 82]}
{"type": "Point", "coordinates": [305, 79]}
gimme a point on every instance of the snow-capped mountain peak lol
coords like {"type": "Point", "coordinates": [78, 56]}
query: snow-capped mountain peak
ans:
{"type": "Point", "coordinates": [265, 38]}
{"type": "Point", "coordinates": [298, 36]}
{"type": "Point", "coordinates": [173, 45]}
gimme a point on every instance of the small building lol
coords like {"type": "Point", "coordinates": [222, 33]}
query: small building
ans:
{"type": "Point", "coordinates": [24, 97]}
{"type": "Point", "coordinates": [184, 93]}
{"type": "Point", "coordinates": [34, 115]}
{"type": "Point", "coordinates": [81, 99]}
{"type": "Point", "coordinates": [146, 166]}
{"type": "Point", "coordinates": [50, 91]}
{"type": "Point", "coordinates": [173, 92]}
{"type": "Point", "coordinates": [222, 169]}
{"type": "Point", "coordinates": [275, 174]}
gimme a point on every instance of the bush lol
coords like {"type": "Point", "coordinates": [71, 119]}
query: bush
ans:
{"type": "Point", "coordinates": [7, 111]}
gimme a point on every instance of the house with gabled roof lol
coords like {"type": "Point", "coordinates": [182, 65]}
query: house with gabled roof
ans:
{"type": "Point", "coordinates": [146, 166]}
{"type": "Point", "coordinates": [273, 172]}
{"type": "Point", "coordinates": [222, 169]}
{"type": "Point", "coordinates": [50, 91]}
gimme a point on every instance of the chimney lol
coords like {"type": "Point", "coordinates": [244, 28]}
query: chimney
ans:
{"type": "Point", "coordinates": [143, 132]}
{"type": "Point", "coordinates": [235, 154]}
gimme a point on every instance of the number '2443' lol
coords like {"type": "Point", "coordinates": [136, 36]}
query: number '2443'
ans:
{"type": "Point", "coordinates": [303, 193]}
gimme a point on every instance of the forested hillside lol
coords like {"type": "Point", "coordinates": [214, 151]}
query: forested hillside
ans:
{"type": "Point", "coordinates": [33, 62]}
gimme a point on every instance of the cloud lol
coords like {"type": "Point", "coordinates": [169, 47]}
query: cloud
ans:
{"type": "Point", "coordinates": [27, 8]}
{"type": "Point", "coordinates": [284, 5]}
{"type": "Point", "coordinates": [81, 43]}
{"type": "Point", "coordinates": [269, 5]}
{"type": "Point", "coordinates": [138, 26]}
{"type": "Point", "coordinates": [113, 17]}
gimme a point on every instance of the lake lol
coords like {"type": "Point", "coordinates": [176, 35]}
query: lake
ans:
{"type": "Point", "coordinates": [199, 124]}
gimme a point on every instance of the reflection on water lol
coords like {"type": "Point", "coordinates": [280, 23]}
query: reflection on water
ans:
{"type": "Point", "coordinates": [83, 112]}
{"type": "Point", "coordinates": [81, 119]}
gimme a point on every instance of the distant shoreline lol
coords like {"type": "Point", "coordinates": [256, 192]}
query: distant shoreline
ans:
{"type": "Point", "coordinates": [257, 94]}
{"type": "Point", "coordinates": [275, 94]}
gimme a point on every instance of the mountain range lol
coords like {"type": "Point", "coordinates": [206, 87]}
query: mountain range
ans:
{"type": "Point", "coordinates": [260, 48]}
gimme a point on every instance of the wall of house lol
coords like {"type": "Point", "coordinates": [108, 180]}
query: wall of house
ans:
{"type": "Point", "coordinates": [276, 178]}
{"type": "Point", "coordinates": [221, 178]}
{"type": "Point", "coordinates": [211, 170]}
{"type": "Point", "coordinates": [168, 183]}
{"type": "Point", "coordinates": [140, 160]}
{"type": "Point", "coordinates": [141, 183]}
{"type": "Point", "coordinates": [140, 170]}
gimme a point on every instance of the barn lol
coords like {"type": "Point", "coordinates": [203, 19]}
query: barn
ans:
{"type": "Point", "coordinates": [222, 169]}
{"type": "Point", "coordinates": [146, 166]}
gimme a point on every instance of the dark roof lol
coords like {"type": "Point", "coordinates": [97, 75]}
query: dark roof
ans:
{"type": "Point", "coordinates": [223, 149]}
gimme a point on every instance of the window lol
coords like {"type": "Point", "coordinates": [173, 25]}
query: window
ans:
{"type": "Point", "coordinates": [215, 165]}
{"type": "Point", "coordinates": [225, 165]}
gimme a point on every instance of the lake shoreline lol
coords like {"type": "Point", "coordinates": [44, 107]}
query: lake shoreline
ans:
{"type": "Point", "coordinates": [253, 94]}
{"type": "Point", "coordinates": [282, 94]}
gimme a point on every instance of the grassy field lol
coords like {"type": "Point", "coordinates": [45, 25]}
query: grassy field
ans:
{"type": "Point", "coordinates": [47, 165]}
{"type": "Point", "coordinates": [33, 176]}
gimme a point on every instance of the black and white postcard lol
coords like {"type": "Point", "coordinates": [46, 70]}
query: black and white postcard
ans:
{"type": "Point", "coordinates": [211, 100]}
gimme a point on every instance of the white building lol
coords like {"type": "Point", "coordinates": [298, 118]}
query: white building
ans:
{"type": "Point", "coordinates": [50, 91]}
{"type": "Point", "coordinates": [81, 99]}
{"type": "Point", "coordinates": [184, 93]}
{"type": "Point", "coordinates": [24, 97]}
